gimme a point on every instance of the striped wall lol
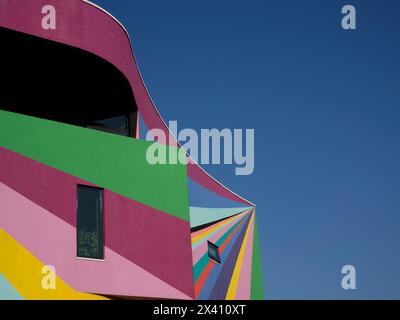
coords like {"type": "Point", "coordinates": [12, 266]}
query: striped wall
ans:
{"type": "Point", "coordinates": [234, 231]}
{"type": "Point", "coordinates": [158, 219]}
{"type": "Point", "coordinates": [21, 275]}
{"type": "Point", "coordinates": [114, 162]}
{"type": "Point", "coordinates": [147, 250]}
{"type": "Point", "coordinates": [237, 277]}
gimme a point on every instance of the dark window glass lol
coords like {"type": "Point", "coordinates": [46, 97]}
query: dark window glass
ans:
{"type": "Point", "coordinates": [89, 90]}
{"type": "Point", "coordinates": [213, 252]}
{"type": "Point", "coordinates": [90, 223]}
{"type": "Point", "coordinates": [118, 125]}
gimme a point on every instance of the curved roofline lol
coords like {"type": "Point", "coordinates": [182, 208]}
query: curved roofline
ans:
{"type": "Point", "coordinates": [75, 41]}
{"type": "Point", "coordinates": [110, 15]}
{"type": "Point", "coordinates": [152, 101]}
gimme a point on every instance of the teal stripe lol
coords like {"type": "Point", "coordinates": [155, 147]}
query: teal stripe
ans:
{"type": "Point", "coordinates": [7, 291]}
{"type": "Point", "coordinates": [200, 265]}
{"type": "Point", "coordinates": [199, 215]}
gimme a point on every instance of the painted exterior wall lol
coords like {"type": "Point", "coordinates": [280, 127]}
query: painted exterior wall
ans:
{"type": "Point", "coordinates": [232, 228]}
{"type": "Point", "coordinates": [158, 218]}
{"type": "Point", "coordinates": [147, 251]}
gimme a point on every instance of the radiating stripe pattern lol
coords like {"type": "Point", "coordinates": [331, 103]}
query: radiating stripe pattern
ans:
{"type": "Point", "coordinates": [231, 230]}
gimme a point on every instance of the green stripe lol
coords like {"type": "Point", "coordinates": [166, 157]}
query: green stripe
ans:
{"type": "Point", "coordinates": [110, 161]}
{"type": "Point", "coordinates": [257, 286]}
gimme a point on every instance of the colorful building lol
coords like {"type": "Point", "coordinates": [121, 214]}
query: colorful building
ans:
{"type": "Point", "coordinates": [83, 215]}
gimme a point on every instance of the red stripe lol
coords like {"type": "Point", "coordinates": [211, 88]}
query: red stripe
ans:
{"type": "Point", "coordinates": [202, 278]}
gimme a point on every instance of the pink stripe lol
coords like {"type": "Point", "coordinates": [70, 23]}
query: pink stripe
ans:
{"type": "Point", "coordinates": [244, 282]}
{"type": "Point", "coordinates": [82, 25]}
{"type": "Point", "coordinates": [53, 242]}
{"type": "Point", "coordinates": [199, 251]}
{"type": "Point", "coordinates": [165, 249]}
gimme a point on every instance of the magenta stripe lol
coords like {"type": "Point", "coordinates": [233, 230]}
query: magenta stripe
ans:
{"type": "Point", "coordinates": [52, 241]}
{"type": "Point", "coordinates": [82, 25]}
{"type": "Point", "coordinates": [154, 240]}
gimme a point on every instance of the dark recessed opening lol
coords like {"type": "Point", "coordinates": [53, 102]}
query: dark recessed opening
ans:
{"type": "Point", "coordinates": [213, 252]}
{"type": "Point", "coordinates": [50, 80]}
{"type": "Point", "coordinates": [90, 238]}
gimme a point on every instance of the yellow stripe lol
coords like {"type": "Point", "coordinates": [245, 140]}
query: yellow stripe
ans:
{"type": "Point", "coordinates": [230, 295]}
{"type": "Point", "coordinates": [206, 233]}
{"type": "Point", "coordinates": [24, 272]}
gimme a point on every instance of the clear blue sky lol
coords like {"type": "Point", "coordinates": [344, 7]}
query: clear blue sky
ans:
{"type": "Point", "coordinates": [325, 104]}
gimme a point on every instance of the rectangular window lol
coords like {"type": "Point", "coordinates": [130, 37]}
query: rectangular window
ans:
{"type": "Point", "coordinates": [90, 242]}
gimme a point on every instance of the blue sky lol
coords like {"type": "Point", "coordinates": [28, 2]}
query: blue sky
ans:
{"type": "Point", "coordinates": [324, 104]}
